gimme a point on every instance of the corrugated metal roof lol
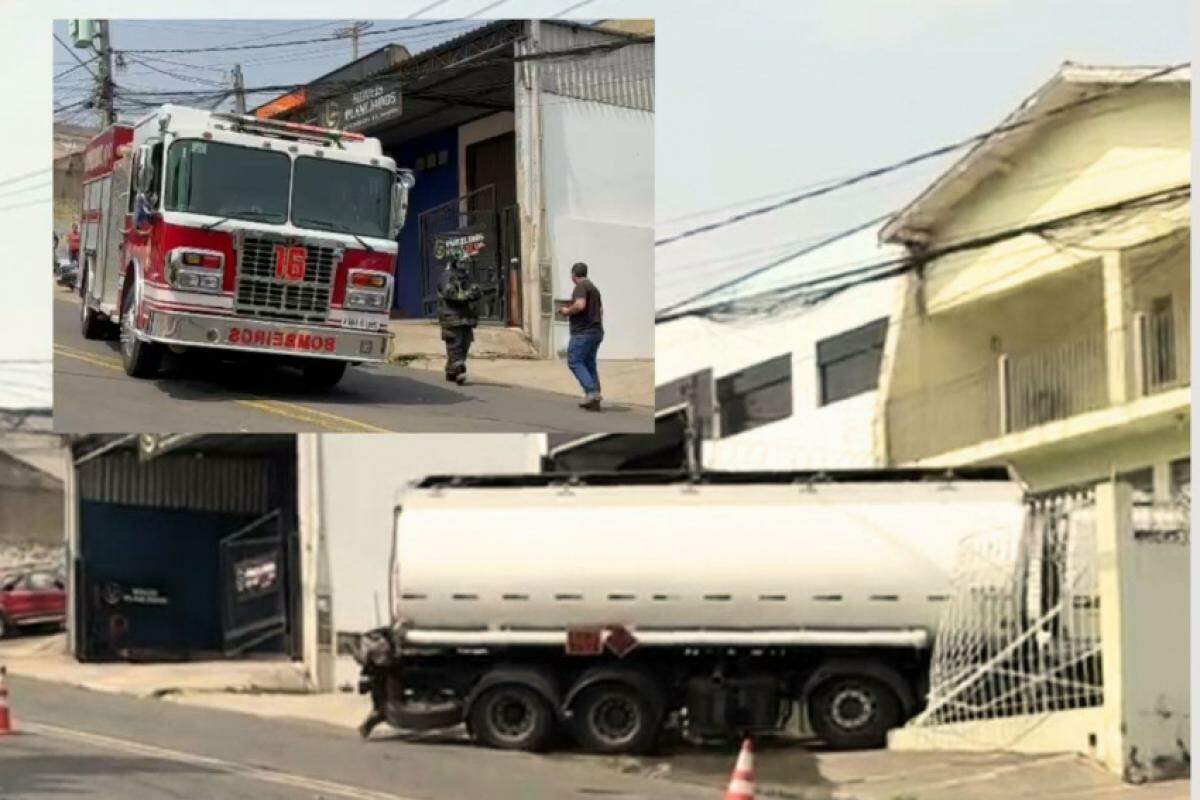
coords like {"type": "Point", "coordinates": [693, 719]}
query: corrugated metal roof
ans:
{"type": "Point", "coordinates": [623, 77]}
{"type": "Point", "coordinates": [234, 485]}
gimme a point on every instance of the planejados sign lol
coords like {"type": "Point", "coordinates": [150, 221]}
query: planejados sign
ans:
{"type": "Point", "coordinates": [376, 102]}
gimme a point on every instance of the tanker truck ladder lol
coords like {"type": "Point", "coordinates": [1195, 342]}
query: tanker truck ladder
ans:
{"type": "Point", "coordinates": [1021, 635]}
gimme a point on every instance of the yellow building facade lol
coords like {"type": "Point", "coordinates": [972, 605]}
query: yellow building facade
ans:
{"type": "Point", "coordinates": [1046, 322]}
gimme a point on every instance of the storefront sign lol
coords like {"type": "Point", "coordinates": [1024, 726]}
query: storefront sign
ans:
{"type": "Point", "coordinates": [115, 595]}
{"type": "Point", "coordinates": [255, 577]}
{"type": "Point", "coordinates": [458, 245]}
{"type": "Point", "coordinates": [370, 105]}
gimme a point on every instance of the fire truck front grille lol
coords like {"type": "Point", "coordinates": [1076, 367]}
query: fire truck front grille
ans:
{"type": "Point", "coordinates": [260, 293]}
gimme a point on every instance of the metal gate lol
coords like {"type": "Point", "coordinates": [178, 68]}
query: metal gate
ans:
{"type": "Point", "coordinates": [253, 582]}
{"type": "Point", "coordinates": [473, 213]}
{"type": "Point", "coordinates": [1022, 633]}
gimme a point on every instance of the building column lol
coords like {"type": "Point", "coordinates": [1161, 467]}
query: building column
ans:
{"type": "Point", "coordinates": [316, 596]}
{"type": "Point", "coordinates": [1144, 588]}
{"type": "Point", "coordinates": [71, 544]}
{"type": "Point", "coordinates": [1118, 327]}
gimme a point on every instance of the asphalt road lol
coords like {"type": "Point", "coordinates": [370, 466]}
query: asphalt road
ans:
{"type": "Point", "coordinates": [75, 743]}
{"type": "Point", "coordinates": [92, 394]}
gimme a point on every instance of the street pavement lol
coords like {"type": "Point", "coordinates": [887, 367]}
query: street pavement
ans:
{"type": "Point", "coordinates": [76, 743]}
{"type": "Point", "coordinates": [203, 395]}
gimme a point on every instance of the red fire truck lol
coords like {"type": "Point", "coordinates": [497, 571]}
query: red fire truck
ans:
{"type": "Point", "coordinates": [213, 230]}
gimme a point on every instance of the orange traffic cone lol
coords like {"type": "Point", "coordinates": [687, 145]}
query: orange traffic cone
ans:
{"type": "Point", "coordinates": [741, 783]}
{"type": "Point", "coordinates": [5, 719]}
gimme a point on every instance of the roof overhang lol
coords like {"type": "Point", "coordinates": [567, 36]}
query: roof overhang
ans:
{"type": "Point", "coordinates": [1072, 83]}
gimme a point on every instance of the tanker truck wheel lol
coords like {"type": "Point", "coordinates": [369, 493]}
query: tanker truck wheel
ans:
{"type": "Point", "coordinates": [852, 712]}
{"type": "Point", "coordinates": [614, 718]}
{"type": "Point", "coordinates": [512, 717]}
{"type": "Point", "coordinates": [321, 374]}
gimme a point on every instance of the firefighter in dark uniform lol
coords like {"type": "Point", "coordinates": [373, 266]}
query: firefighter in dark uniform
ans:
{"type": "Point", "coordinates": [458, 297]}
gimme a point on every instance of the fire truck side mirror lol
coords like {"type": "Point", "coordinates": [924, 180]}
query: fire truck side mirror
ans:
{"type": "Point", "coordinates": [145, 169]}
{"type": "Point", "coordinates": [404, 182]}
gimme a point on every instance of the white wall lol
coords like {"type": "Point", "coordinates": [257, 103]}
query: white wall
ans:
{"type": "Point", "coordinates": [815, 436]}
{"type": "Point", "coordinates": [362, 477]}
{"type": "Point", "coordinates": [598, 178]}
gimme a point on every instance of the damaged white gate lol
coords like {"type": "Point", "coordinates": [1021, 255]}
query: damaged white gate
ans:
{"type": "Point", "coordinates": [1021, 634]}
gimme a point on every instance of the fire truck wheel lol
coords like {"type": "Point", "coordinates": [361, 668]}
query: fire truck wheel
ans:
{"type": "Point", "coordinates": [321, 374]}
{"type": "Point", "coordinates": [140, 359]}
{"type": "Point", "coordinates": [90, 324]}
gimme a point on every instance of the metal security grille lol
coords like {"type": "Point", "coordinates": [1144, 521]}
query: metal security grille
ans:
{"type": "Point", "coordinates": [260, 293]}
{"type": "Point", "coordinates": [1022, 632]}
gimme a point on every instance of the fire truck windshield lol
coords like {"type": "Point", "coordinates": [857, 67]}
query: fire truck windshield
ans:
{"type": "Point", "coordinates": [226, 180]}
{"type": "Point", "coordinates": [336, 195]}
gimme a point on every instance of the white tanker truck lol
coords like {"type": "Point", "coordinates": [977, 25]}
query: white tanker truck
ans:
{"type": "Point", "coordinates": [613, 605]}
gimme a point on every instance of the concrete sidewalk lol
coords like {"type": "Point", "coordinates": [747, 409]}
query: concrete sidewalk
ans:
{"type": "Point", "coordinates": [46, 658]}
{"type": "Point", "coordinates": [504, 356]}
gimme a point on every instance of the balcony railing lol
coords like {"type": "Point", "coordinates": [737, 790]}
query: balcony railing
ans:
{"type": "Point", "coordinates": [1018, 392]}
{"type": "Point", "coordinates": [1013, 394]}
{"type": "Point", "coordinates": [1053, 384]}
{"type": "Point", "coordinates": [1161, 350]}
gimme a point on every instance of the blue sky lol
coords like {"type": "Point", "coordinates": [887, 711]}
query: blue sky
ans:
{"type": "Point", "coordinates": [753, 98]}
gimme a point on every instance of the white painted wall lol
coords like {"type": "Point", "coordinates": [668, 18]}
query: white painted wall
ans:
{"type": "Point", "coordinates": [598, 178]}
{"type": "Point", "coordinates": [362, 475]}
{"type": "Point", "coordinates": [815, 436]}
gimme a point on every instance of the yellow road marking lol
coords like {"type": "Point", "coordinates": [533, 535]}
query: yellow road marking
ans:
{"type": "Point", "coordinates": [281, 408]}
{"type": "Point", "coordinates": [262, 774]}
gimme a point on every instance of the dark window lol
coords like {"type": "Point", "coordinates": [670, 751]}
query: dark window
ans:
{"type": "Point", "coordinates": [227, 180]}
{"type": "Point", "coordinates": [755, 396]}
{"type": "Point", "coordinates": [1181, 476]}
{"type": "Point", "coordinates": [338, 196]}
{"type": "Point", "coordinates": [1142, 482]}
{"type": "Point", "coordinates": [849, 362]}
{"type": "Point", "coordinates": [696, 389]}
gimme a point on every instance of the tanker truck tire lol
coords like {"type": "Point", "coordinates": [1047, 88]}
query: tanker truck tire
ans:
{"type": "Point", "coordinates": [612, 718]}
{"type": "Point", "coordinates": [852, 712]}
{"type": "Point", "coordinates": [140, 359]}
{"type": "Point", "coordinates": [321, 374]}
{"type": "Point", "coordinates": [512, 717]}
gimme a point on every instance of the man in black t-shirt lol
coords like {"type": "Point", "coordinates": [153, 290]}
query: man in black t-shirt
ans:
{"type": "Point", "coordinates": [586, 313]}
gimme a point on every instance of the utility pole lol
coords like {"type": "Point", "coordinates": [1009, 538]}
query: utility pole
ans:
{"type": "Point", "coordinates": [352, 33]}
{"type": "Point", "coordinates": [239, 90]}
{"type": "Point", "coordinates": [104, 51]}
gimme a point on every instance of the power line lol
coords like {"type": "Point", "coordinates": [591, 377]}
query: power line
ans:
{"type": "Point", "coordinates": [77, 66]}
{"type": "Point", "coordinates": [938, 151]}
{"type": "Point", "coordinates": [75, 56]}
{"type": "Point", "coordinates": [862, 226]}
{"type": "Point", "coordinates": [293, 43]}
{"type": "Point", "coordinates": [24, 176]}
{"type": "Point", "coordinates": [889, 267]}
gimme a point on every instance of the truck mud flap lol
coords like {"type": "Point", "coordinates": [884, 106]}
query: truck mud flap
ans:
{"type": "Point", "coordinates": [424, 716]}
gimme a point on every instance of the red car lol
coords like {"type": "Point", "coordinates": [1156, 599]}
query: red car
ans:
{"type": "Point", "coordinates": [31, 597]}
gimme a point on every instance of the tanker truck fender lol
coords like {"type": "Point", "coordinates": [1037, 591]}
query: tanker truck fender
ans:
{"type": "Point", "coordinates": [840, 667]}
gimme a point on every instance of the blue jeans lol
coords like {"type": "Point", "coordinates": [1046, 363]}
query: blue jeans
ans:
{"type": "Point", "coordinates": [581, 359]}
